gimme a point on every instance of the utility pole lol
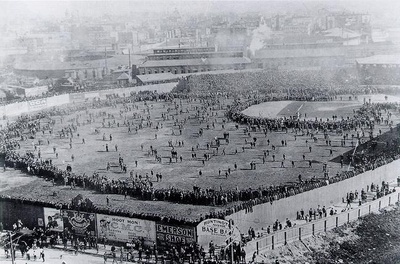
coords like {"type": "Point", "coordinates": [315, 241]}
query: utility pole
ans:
{"type": "Point", "coordinates": [231, 235]}
{"type": "Point", "coordinates": [11, 248]}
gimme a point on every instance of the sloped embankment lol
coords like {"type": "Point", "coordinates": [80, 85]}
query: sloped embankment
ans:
{"type": "Point", "coordinates": [374, 238]}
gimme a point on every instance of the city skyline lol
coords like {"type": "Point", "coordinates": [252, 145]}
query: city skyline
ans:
{"type": "Point", "coordinates": [58, 8]}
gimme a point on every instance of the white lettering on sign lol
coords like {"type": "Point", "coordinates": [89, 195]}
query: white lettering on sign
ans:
{"type": "Point", "coordinates": [124, 229]}
{"type": "Point", "coordinates": [37, 104]}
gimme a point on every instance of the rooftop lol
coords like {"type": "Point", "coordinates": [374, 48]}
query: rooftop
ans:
{"type": "Point", "coordinates": [157, 77]}
{"type": "Point", "coordinates": [205, 53]}
{"type": "Point", "coordinates": [123, 76]}
{"type": "Point", "coordinates": [36, 64]}
{"type": "Point", "coordinates": [380, 59]}
{"type": "Point", "coordinates": [342, 33]}
{"type": "Point", "coordinates": [196, 62]}
{"type": "Point", "coordinates": [298, 53]}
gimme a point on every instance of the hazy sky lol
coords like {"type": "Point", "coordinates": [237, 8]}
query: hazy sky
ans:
{"type": "Point", "coordinates": [57, 8]}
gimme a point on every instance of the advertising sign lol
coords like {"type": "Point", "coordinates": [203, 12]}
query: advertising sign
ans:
{"type": "Point", "coordinates": [92, 95]}
{"type": "Point", "coordinates": [125, 229]}
{"type": "Point", "coordinates": [35, 91]}
{"type": "Point", "coordinates": [53, 219]}
{"type": "Point", "coordinates": [58, 100]}
{"type": "Point", "coordinates": [79, 222]}
{"type": "Point", "coordinates": [103, 94]}
{"type": "Point", "coordinates": [37, 104]}
{"type": "Point", "coordinates": [216, 230]}
{"type": "Point", "coordinates": [169, 234]}
{"type": "Point", "coordinates": [76, 97]}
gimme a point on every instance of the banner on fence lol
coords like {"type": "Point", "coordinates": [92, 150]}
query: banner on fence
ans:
{"type": "Point", "coordinates": [35, 91]}
{"type": "Point", "coordinates": [53, 219]}
{"type": "Point", "coordinates": [125, 229]}
{"type": "Point", "coordinates": [79, 223]}
{"type": "Point", "coordinates": [169, 234]}
{"type": "Point", "coordinates": [92, 95]}
{"type": "Point", "coordinates": [37, 104]}
{"type": "Point", "coordinates": [216, 230]}
{"type": "Point", "coordinates": [57, 100]}
{"type": "Point", "coordinates": [76, 97]}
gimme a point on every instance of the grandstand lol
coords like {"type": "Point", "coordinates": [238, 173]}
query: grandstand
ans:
{"type": "Point", "coordinates": [379, 70]}
{"type": "Point", "coordinates": [191, 60]}
{"type": "Point", "coordinates": [203, 151]}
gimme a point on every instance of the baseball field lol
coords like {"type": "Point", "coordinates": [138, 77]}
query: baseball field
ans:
{"type": "Point", "coordinates": [103, 136]}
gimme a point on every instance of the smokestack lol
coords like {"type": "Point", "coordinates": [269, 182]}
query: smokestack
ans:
{"type": "Point", "coordinates": [129, 58]}
{"type": "Point", "coordinates": [105, 57]}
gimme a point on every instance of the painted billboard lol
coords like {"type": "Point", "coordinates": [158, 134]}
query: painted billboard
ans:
{"type": "Point", "coordinates": [169, 234]}
{"type": "Point", "coordinates": [216, 230]}
{"type": "Point", "coordinates": [123, 229]}
{"type": "Point", "coordinates": [76, 97]}
{"type": "Point", "coordinates": [53, 219]}
{"type": "Point", "coordinates": [79, 223]}
{"type": "Point", "coordinates": [37, 104]}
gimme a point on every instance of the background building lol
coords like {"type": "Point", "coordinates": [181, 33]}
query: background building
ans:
{"type": "Point", "coordinates": [191, 60]}
{"type": "Point", "coordinates": [379, 70]}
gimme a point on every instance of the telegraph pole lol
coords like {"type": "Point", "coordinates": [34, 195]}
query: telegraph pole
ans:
{"type": "Point", "coordinates": [231, 240]}
{"type": "Point", "coordinates": [11, 248]}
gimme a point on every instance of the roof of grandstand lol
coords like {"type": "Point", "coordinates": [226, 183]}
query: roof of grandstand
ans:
{"type": "Point", "coordinates": [218, 72]}
{"type": "Point", "coordinates": [157, 77]}
{"type": "Point", "coordinates": [196, 62]}
{"type": "Point", "coordinates": [168, 76]}
{"type": "Point", "coordinates": [380, 59]}
{"type": "Point", "coordinates": [113, 62]}
{"type": "Point", "coordinates": [343, 33]}
{"type": "Point", "coordinates": [199, 53]}
{"type": "Point", "coordinates": [298, 53]}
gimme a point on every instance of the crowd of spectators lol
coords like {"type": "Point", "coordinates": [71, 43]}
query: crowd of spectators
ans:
{"type": "Point", "coordinates": [253, 88]}
{"type": "Point", "coordinates": [378, 75]}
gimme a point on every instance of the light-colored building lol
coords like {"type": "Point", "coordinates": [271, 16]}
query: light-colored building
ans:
{"type": "Point", "coordinates": [191, 60]}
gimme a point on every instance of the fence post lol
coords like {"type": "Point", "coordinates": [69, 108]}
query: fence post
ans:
{"type": "Point", "coordinates": [257, 247]}
{"type": "Point", "coordinates": [348, 217]}
{"type": "Point", "coordinates": [359, 213]}
{"type": "Point", "coordinates": [273, 243]}
{"type": "Point", "coordinates": [325, 226]}
{"type": "Point", "coordinates": [313, 229]}
{"type": "Point", "coordinates": [390, 198]}
{"type": "Point", "coordinates": [300, 233]}
{"type": "Point", "coordinates": [369, 209]}
{"type": "Point", "coordinates": [380, 205]}
{"type": "Point", "coordinates": [285, 237]}
{"type": "Point", "coordinates": [337, 221]}
{"type": "Point", "coordinates": [398, 197]}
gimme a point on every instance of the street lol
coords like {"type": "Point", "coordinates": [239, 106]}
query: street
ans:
{"type": "Point", "coordinates": [57, 256]}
